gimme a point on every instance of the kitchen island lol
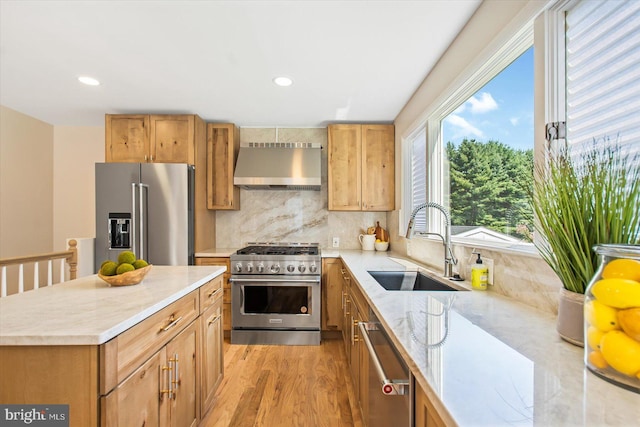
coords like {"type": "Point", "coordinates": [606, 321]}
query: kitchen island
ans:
{"type": "Point", "coordinates": [487, 360]}
{"type": "Point", "coordinates": [103, 349]}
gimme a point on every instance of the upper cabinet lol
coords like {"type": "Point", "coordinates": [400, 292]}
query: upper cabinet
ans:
{"type": "Point", "coordinates": [223, 143]}
{"type": "Point", "coordinates": [361, 167]}
{"type": "Point", "coordinates": [151, 138]}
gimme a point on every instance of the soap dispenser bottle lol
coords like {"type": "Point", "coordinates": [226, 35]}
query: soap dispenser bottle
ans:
{"type": "Point", "coordinates": [479, 274]}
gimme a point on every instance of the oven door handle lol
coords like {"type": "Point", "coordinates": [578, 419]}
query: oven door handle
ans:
{"type": "Point", "coordinates": [234, 279]}
{"type": "Point", "coordinates": [389, 387]}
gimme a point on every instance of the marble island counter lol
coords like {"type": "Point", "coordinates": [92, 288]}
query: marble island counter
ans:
{"type": "Point", "coordinates": [488, 360]}
{"type": "Point", "coordinates": [88, 311]}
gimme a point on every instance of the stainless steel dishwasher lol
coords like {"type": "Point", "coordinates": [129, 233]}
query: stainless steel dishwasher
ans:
{"type": "Point", "coordinates": [390, 381]}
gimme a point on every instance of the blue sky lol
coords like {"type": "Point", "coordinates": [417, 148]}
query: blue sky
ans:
{"type": "Point", "coordinates": [501, 110]}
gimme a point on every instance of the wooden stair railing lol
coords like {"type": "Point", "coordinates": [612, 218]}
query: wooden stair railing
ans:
{"type": "Point", "coordinates": [70, 256]}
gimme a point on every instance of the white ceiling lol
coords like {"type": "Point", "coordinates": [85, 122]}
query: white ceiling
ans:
{"type": "Point", "coordinates": [350, 60]}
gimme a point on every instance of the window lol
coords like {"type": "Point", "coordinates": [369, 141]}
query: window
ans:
{"type": "Point", "coordinates": [603, 74]}
{"type": "Point", "coordinates": [468, 168]}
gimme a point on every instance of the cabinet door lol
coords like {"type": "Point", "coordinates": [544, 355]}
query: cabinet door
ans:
{"type": "Point", "coordinates": [331, 294]}
{"type": "Point", "coordinates": [378, 168]}
{"type": "Point", "coordinates": [425, 413]}
{"type": "Point", "coordinates": [345, 168]}
{"type": "Point", "coordinates": [354, 353]}
{"type": "Point", "coordinates": [135, 401]}
{"type": "Point", "coordinates": [346, 315]}
{"type": "Point", "coordinates": [211, 354]}
{"type": "Point", "coordinates": [226, 285]}
{"type": "Point", "coordinates": [172, 139]}
{"type": "Point", "coordinates": [181, 355]}
{"type": "Point", "coordinates": [126, 138]}
{"type": "Point", "coordinates": [223, 143]}
{"type": "Point", "coordinates": [363, 369]}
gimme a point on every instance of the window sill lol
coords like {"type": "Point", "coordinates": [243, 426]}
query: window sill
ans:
{"type": "Point", "coordinates": [521, 249]}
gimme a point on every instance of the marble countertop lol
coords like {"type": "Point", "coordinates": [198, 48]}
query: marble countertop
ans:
{"type": "Point", "coordinates": [216, 252]}
{"type": "Point", "coordinates": [489, 359]}
{"type": "Point", "coordinates": [88, 311]}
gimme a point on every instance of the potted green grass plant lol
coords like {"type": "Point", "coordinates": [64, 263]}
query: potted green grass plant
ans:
{"type": "Point", "coordinates": [582, 200]}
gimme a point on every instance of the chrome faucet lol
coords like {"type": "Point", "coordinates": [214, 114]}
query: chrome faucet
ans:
{"type": "Point", "coordinates": [449, 259]}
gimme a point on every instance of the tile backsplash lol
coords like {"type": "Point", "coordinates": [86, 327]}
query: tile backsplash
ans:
{"type": "Point", "coordinates": [288, 215]}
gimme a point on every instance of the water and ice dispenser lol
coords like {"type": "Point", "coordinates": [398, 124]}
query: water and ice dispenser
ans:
{"type": "Point", "coordinates": [119, 231]}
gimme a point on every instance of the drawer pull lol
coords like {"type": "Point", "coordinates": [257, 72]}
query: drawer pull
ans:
{"type": "Point", "coordinates": [172, 324]}
{"type": "Point", "coordinates": [214, 320]}
{"type": "Point", "coordinates": [212, 293]}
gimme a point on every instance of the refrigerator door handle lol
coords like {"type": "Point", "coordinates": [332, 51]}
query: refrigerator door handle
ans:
{"type": "Point", "coordinates": [143, 212]}
{"type": "Point", "coordinates": [134, 222]}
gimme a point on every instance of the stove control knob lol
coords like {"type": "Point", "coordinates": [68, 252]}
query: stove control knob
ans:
{"type": "Point", "coordinates": [238, 267]}
{"type": "Point", "coordinates": [261, 268]}
{"type": "Point", "coordinates": [275, 268]}
{"type": "Point", "coordinates": [313, 268]}
{"type": "Point", "coordinates": [302, 268]}
{"type": "Point", "coordinates": [249, 268]}
{"type": "Point", "coordinates": [291, 268]}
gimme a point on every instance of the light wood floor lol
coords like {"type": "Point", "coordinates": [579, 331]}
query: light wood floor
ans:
{"type": "Point", "coordinates": [275, 386]}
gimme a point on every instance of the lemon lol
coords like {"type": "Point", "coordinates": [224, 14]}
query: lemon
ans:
{"type": "Point", "coordinates": [108, 268]}
{"type": "Point", "coordinates": [126, 257]}
{"type": "Point", "coordinates": [621, 352]}
{"type": "Point", "coordinates": [125, 267]}
{"type": "Point", "coordinates": [630, 322]}
{"type": "Point", "coordinates": [140, 263]}
{"type": "Point", "coordinates": [594, 335]}
{"type": "Point", "coordinates": [597, 359]}
{"type": "Point", "coordinates": [622, 269]}
{"type": "Point", "coordinates": [618, 293]}
{"type": "Point", "coordinates": [601, 316]}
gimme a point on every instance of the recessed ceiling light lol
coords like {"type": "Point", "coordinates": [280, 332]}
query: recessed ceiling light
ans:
{"type": "Point", "coordinates": [283, 81]}
{"type": "Point", "coordinates": [88, 81]}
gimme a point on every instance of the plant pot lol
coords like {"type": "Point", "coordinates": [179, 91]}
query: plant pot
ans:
{"type": "Point", "coordinates": [570, 324]}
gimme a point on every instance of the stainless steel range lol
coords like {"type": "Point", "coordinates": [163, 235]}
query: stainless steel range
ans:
{"type": "Point", "coordinates": [275, 291]}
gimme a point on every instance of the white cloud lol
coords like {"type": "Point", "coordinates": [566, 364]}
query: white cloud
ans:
{"type": "Point", "coordinates": [514, 120]}
{"type": "Point", "coordinates": [485, 104]}
{"type": "Point", "coordinates": [464, 127]}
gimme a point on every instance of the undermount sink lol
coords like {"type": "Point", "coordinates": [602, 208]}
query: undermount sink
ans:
{"type": "Point", "coordinates": [409, 281]}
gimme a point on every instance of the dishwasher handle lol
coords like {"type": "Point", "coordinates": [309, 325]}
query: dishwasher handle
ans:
{"type": "Point", "coordinates": [389, 387]}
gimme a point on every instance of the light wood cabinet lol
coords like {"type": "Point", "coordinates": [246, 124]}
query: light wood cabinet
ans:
{"type": "Point", "coordinates": [356, 310]}
{"type": "Point", "coordinates": [223, 143]}
{"type": "Point", "coordinates": [156, 373]}
{"type": "Point", "coordinates": [211, 351]}
{"type": "Point", "coordinates": [226, 285]}
{"type": "Point", "coordinates": [361, 171]}
{"type": "Point", "coordinates": [425, 413]}
{"type": "Point", "coordinates": [331, 294]}
{"type": "Point", "coordinates": [152, 138]}
{"type": "Point", "coordinates": [164, 138]}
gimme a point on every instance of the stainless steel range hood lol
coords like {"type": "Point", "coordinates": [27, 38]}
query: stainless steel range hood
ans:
{"type": "Point", "coordinates": [278, 165]}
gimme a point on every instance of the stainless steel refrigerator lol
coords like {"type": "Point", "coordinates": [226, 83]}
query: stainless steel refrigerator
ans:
{"type": "Point", "coordinates": [147, 208]}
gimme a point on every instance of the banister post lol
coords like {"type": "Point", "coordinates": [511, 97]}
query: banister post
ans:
{"type": "Point", "coordinates": [73, 261]}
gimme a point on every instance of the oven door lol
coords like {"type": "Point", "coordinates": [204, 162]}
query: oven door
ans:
{"type": "Point", "coordinates": [275, 302]}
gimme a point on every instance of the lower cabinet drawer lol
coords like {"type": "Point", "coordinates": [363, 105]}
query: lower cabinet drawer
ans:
{"type": "Point", "coordinates": [123, 354]}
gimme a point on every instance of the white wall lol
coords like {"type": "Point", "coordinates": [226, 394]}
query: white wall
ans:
{"type": "Point", "coordinates": [75, 151]}
{"type": "Point", "coordinates": [26, 185]}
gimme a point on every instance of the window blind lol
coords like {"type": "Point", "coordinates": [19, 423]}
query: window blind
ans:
{"type": "Point", "coordinates": [419, 178]}
{"type": "Point", "coordinates": [603, 75]}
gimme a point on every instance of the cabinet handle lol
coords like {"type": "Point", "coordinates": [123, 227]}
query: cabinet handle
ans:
{"type": "Point", "coordinates": [214, 320]}
{"type": "Point", "coordinates": [354, 338]}
{"type": "Point", "coordinates": [175, 382]}
{"type": "Point", "coordinates": [212, 293]}
{"type": "Point", "coordinates": [145, 157]}
{"type": "Point", "coordinates": [152, 157]}
{"type": "Point", "coordinates": [169, 389]}
{"type": "Point", "coordinates": [173, 323]}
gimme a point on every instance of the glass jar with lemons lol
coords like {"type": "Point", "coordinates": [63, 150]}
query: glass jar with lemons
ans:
{"type": "Point", "coordinates": [612, 316]}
